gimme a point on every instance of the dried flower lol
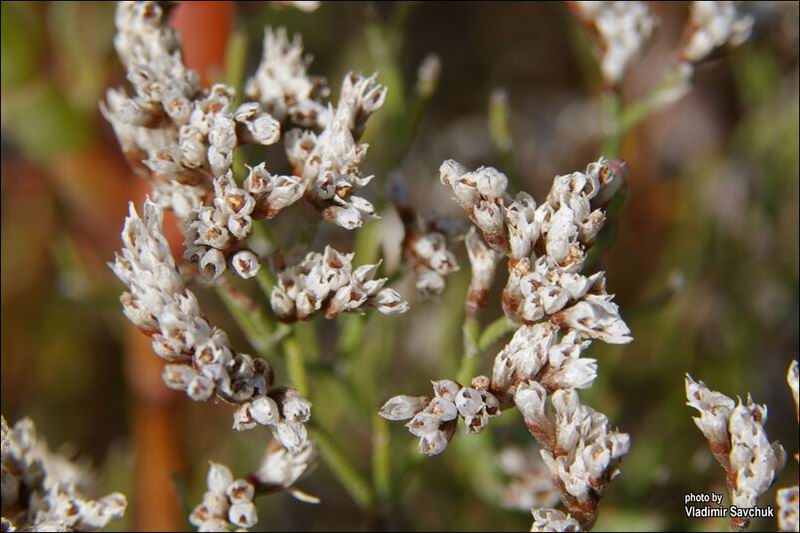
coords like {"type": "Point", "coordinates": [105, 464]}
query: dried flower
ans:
{"type": "Point", "coordinates": [46, 491]}
{"type": "Point", "coordinates": [714, 25]}
{"type": "Point", "coordinates": [200, 359]}
{"type": "Point", "coordinates": [622, 29]}
{"type": "Point", "coordinates": [737, 439]}
{"type": "Point", "coordinates": [327, 282]}
{"type": "Point", "coordinates": [227, 504]}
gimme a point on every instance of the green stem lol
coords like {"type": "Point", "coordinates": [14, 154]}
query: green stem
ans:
{"type": "Point", "coordinates": [500, 133]}
{"type": "Point", "coordinates": [471, 358]}
{"type": "Point", "coordinates": [381, 458]}
{"type": "Point", "coordinates": [613, 130]}
{"type": "Point", "coordinates": [494, 332]}
{"type": "Point", "coordinates": [347, 474]}
{"type": "Point", "coordinates": [295, 365]}
{"type": "Point", "coordinates": [251, 317]}
{"type": "Point", "coordinates": [265, 280]}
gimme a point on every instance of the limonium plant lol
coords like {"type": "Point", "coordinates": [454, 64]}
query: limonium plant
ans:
{"type": "Point", "coordinates": [186, 138]}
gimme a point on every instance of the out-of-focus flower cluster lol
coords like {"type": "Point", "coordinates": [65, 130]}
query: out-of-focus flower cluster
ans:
{"type": "Point", "coordinates": [328, 283]}
{"type": "Point", "coordinates": [227, 504]}
{"type": "Point", "coordinates": [280, 469]}
{"type": "Point", "coordinates": [738, 441]}
{"type": "Point", "coordinates": [201, 362]}
{"type": "Point", "coordinates": [426, 243]}
{"type": "Point", "coordinates": [45, 491]}
{"type": "Point", "coordinates": [714, 25]}
{"type": "Point", "coordinates": [622, 29]}
{"type": "Point", "coordinates": [560, 310]}
{"type": "Point", "coordinates": [531, 485]}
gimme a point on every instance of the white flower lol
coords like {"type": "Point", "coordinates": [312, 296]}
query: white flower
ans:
{"type": "Point", "coordinates": [329, 162]}
{"type": "Point", "coordinates": [523, 357]}
{"type": "Point", "coordinates": [433, 419]}
{"type": "Point", "coordinates": [715, 410]}
{"type": "Point", "coordinates": [755, 461]}
{"type": "Point", "coordinates": [403, 407]}
{"type": "Point", "coordinates": [282, 85]}
{"type": "Point", "coordinates": [328, 283]}
{"type": "Point", "coordinates": [738, 441]}
{"type": "Point", "coordinates": [227, 503]}
{"type": "Point", "coordinates": [431, 261]}
{"type": "Point", "coordinates": [480, 193]}
{"type": "Point", "coordinates": [592, 450]}
{"type": "Point", "coordinates": [713, 25]}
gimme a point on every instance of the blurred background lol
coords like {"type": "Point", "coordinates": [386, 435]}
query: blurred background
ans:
{"type": "Point", "coordinates": [704, 260]}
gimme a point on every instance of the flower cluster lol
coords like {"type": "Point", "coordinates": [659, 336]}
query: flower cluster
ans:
{"type": "Point", "coordinates": [622, 29]}
{"type": "Point", "coordinates": [533, 357]}
{"type": "Point", "coordinates": [736, 437]}
{"type": "Point", "coordinates": [560, 310]}
{"type": "Point", "coordinates": [201, 362]}
{"type": "Point", "coordinates": [788, 498]}
{"type": "Point", "coordinates": [330, 161]}
{"type": "Point", "coordinates": [45, 491]}
{"type": "Point", "coordinates": [183, 133]}
{"type": "Point", "coordinates": [214, 233]}
{"type": "Point", "coordinates": [327, 282]}
{"type": "Point", "coordinates": [227, 504]}
{"type": "Point", "coordinates": [531, 485]}
{"type": "Point", "coordinates": [583, 454]}
{"type": "Point", "coordinates": [282, 85]}
{"type": "Point", "coordinates": [434, 418]}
